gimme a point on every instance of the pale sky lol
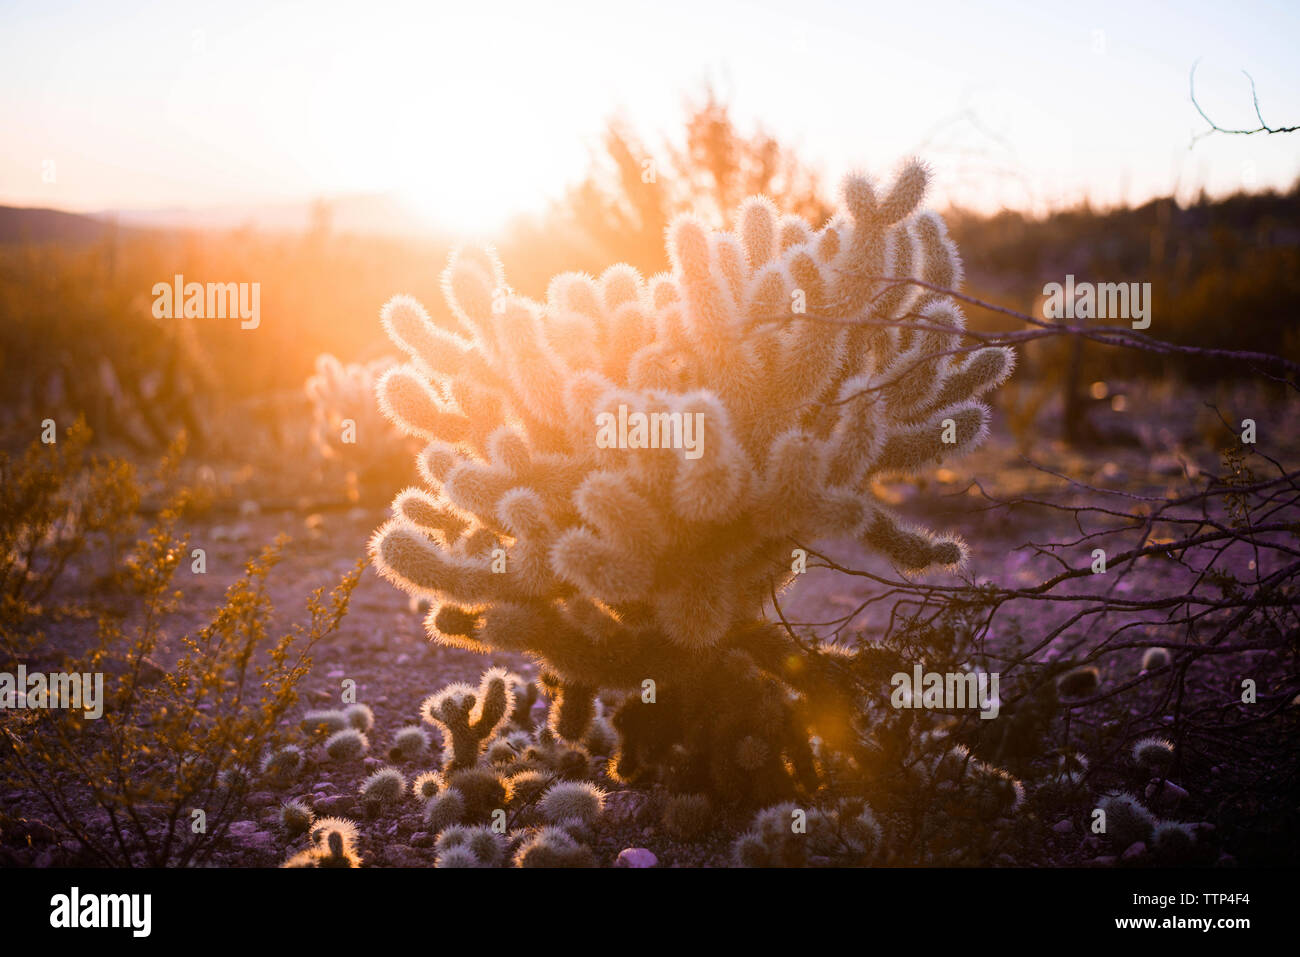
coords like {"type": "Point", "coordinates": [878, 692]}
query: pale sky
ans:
{"type": "Point", "coordinates": [474, 111]}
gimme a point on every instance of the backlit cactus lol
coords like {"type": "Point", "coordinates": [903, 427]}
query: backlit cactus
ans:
{"type": "Point", "coordinates": [340, 394]}
{"type": "Point", "coordinates": [553, 847]}
{"type": "Point", "coordinates": [409, 743]}
{"type": "Point", "coordinates": [385, 786]}
{"type": "Point", "coordinates": [333, 844]}
{"type": "Point", "coordinates": [808, 363]}
{"type": "Point", "coordinates": [296, 816]}
{"type": "Point", "coordinates": [346, 745]}
{"type": "Point", "coordinates": [469, 717]}
{"type": "Point", "coordinates": [283, 764]}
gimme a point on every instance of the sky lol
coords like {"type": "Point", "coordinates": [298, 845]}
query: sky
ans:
{"type": "Point", "coordinates": [472, 112]}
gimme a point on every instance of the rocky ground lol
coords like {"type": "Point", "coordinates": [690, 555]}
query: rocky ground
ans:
{"type": "Point", "coordinates": [382, 648]}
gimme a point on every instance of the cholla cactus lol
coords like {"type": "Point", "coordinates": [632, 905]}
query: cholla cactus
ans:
{"type": "Point", "coordinates": [333, 842]}
{"type": "Point", "coordinates": [804, 363]}
{"type": "Point", "coordinates": [1174, 842]}
{"type": "Point", "coordinates": [324, 721]}
{"type": "Point", "coordinates": [385, 786]}
{"type": "Point", "coordinates": [427, 785]}
{"type": "Point", "coordinates": [296, 816]}
{"type": "Point", "coordinates": [1153, 659]}
{"type": "Point", "coordinates": [283, 764]}
{"type": "Point", "coordinates": [553, 847]}
{"type": "Point", "coordinates": [787, 836]}
{"type": "Point", "coordinates": [339, 393]}
{"type": "Point", "coordinates": [444, 809]}
{"type": "Point", "coordinates": [468, 847]}
{"type": "Point", "coordinates": [346, 745]}
{"type": "Point", "coordinates": [1081, 682]}
{"type": "Point", "coordinates": [467, 717]}
{"type": "Point", "coordinates": [572, 801]}
{"type": "Point", "coordinates": [409, 743]}
{"type": "Point", "coordinates": [359, 716]}
{"type": "Point", "coordinates": [1154, 753]}
{"type": "Point", "coordinates": [1127, 819]}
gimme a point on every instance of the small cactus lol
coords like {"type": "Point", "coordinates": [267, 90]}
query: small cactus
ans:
{"type": "Point", "coordinates": [335, 852]}
{"type": "Point", "coordinates": [359, 716]}
{"type": "Point", "coordinates": [553, 847]}
{"type": "Point", "coordinates": [427, 785]}
{"type": "Point", "coordinates": [688, 817]}
{"type": "Point", "coordinates": [324, 722]}
{"type": "Point", "coordinates": [1127, 820]}
{"type": "Point", "coordinates": [346, 745]}
{"type": "Point", "coordinates": [333, 842]}
{"type": "Point", "coordinates": [410, 743]}
{"type": "Point", "coordinates": [1081, 682]}
{"type": "Point", "coordinates": [526, 787]}
{"type": "Point", "coordinates": [469, 717]}
{"type": "Point", "coordinates": [482, 844]}
{"type": "Point", "coordinates": [325, 826]}
{"type": "Point", "coordinates": [1153, 659]}
{"type": "Point", "coordinates": [482, 790]}
{"type": "Point", "coordinates": [385, 786]}
{"type": "Point", "coordinates": [572, 801]}
{"type": "Point", "coordinates": [848, 833]}
{"type": "Point", "coordinates": [1173, 842]}
{"type": "Point", "coordinates": [283, 765]}
{"type": "Point", "coordinates": [296, 816]}
{"type": "Point", "coordinates": [445, 809]}
{"type": "Point", "coordinates": [233, 778]}
{"type": "Point", "coordinates": [1154, 753]}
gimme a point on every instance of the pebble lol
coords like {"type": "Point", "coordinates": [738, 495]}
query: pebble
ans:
{"type": "Point", "coordinates": [1064, 826]}
{"type": "Point", "coordinates": [421, 839]}
{"type": "Point", "coordinates": [636, 857]}
{"type": "Point", "coordinates": [260, 799]}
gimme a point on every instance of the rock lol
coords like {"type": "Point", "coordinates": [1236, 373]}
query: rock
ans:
{"type": "Point", "coordinates": [624, 807]}
{"type": "Point", "coordinates": [258, 841]}
{"type": "Point", "coordinates": [421, 839]}
{"type": "Point", "coordinates": [399, 856]}
{"type": "Point", "coordinates": [324, 786]}
{"type": "Point", "coordinates": [1106, 860]}
{"type": "Point", "coordinates": [636, 857]}
{"type": "Point", "coordinates": [260, 799]}
{"type": "Point", "coordinates": [242, 828]}
{"type": "Point", "coordinates": [1064, 826]}
{"type": "Point", "coordinates": [335, 805]}
{"type": "Point", "coordinates": [1134, 851]}
{"type": "Point", "coordinates": [1167, 794]}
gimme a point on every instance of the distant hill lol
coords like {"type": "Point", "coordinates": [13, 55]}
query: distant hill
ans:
{"type": "Point", "coordinates": [20, 225]}
{"type": "Point", "coordinates": [368, 215]}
